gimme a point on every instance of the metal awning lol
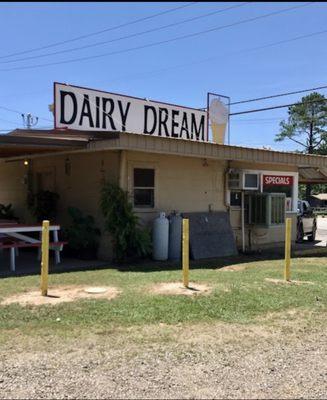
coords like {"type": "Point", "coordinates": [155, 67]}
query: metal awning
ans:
{"type": "Point", "coordinates": [25, 142]}
{"type": "Point", "coordinates": [312, 175]}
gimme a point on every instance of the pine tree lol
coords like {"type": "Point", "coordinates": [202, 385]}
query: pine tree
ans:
{"type": "Point", "coordinates": [307, 126]}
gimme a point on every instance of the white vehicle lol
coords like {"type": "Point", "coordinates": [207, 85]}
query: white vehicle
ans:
{"type": "Point", "coordinates": [306, 221]}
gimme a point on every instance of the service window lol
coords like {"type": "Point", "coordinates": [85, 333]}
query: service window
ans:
{"type": "Point", "coordinates": [143, 187]}
{"type": "Point", "coordinates": [280, 184]}
{"type": "Point", "coordinates": [265, 208]}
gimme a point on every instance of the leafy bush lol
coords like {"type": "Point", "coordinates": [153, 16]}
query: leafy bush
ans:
{"type": "Point", "coordinates": [83, 237]}
{"type": "Point", "coordinates": [122, 223]}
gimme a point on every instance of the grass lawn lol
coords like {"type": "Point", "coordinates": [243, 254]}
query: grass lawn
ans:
{"type": "Point", "coordinates": [241, 296]}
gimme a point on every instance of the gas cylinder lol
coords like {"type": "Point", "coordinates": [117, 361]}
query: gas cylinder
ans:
{"type": "Point", "coordinates": [175, 236]}
{"type": "Point", "coordinates": [160, 237]}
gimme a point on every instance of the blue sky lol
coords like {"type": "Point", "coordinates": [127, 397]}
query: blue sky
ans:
{"type": "Point", "coordinates": [181, 72]}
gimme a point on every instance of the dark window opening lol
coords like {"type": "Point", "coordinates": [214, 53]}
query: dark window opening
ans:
{"type": "Point", "coordinates": [143, 188]}
{"type": "Point", "coordinates": [236, 199]}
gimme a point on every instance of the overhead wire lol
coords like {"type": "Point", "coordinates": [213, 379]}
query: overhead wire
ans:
{"type": "Point", "coordinates": [276, 107]}
{"type": "Point", "coordinates": [20, 113]}
{"type": "Point", "coordinates": [101, 31]}
{"type": "Point", "coordinates": [194, 34]}
{"type": "Point", "coordinates": [161, 70]}
{"type": "Point", "coordinates": [279, 95]}
{"type": "Point", "coordinates": [128, 36]}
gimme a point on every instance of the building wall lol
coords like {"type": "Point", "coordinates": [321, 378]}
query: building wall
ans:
{"type": "Point", "coordinates": [261, 237]}
{"type": "Point", "coordinates": [13, 186]}
{"type": "Point", "coordinates": [261, 166]}
{"type": "Point", "coordinates": [182, 184]}
{"type": "Point", "coordinates": [77, 179]}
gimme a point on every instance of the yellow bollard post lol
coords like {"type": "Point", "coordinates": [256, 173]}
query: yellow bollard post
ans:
{"type": "Point", "coordinates": [45, 258]}
{"type": "Point", "coordinates": [186, 257]}
{"type": "Point", "coordinates": [288, 231]}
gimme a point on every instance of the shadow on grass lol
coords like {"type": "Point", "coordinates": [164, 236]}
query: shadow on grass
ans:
{"type": "Point", "coordinates": [148, 265]}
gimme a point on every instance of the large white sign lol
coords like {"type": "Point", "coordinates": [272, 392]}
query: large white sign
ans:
{"type": "Point", "coordinates": [92, 110]}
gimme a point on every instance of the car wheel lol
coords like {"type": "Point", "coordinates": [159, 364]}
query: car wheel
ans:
{"type": "Point", "coordinates": [312, 237]}
{"type": "Point", "coordinates": [299, 234]}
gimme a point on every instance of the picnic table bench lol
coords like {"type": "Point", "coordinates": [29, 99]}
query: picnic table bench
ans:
{"type": "Point", "coordinates": [12, 238]}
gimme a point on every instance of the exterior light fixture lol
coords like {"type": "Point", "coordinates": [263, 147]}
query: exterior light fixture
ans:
{"type": "Point", "coordinates": [205, 162]}
{"type": "Point", "coordinates": [26, 163]}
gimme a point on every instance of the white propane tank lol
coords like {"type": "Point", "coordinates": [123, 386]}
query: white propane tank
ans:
{"type": "Point", "coordinates": [160, 237]}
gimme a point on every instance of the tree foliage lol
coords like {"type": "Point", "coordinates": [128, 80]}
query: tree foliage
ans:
{"type": "Point", "coordinates": [129, 239]}
{"type": "Point", "coordinates": [307, 124]}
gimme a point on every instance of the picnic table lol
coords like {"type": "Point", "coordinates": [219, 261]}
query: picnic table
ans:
{"type": "Point", "coordinates": [13, 236]}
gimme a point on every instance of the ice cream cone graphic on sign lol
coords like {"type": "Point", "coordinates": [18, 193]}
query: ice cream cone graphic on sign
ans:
{"type": "Point", "coordinates": [218, 115]}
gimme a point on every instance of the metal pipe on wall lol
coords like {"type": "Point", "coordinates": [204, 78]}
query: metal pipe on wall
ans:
{"type": "Point", "coordinates": [122, 170]}
{"type": "Point", "coordinates": [243, 223]}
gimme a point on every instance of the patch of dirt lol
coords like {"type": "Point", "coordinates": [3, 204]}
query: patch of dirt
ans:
{"type": "Point", "coordinates": [202, 361]}
{"type": "Point", "coordinates": [172, 288]}
{"type": "Point", "coordinates": [60, 294]}
{"type": "Point", "coordinates": [233, 268]}
{"type": "Point", "coordinates": [291, 282]}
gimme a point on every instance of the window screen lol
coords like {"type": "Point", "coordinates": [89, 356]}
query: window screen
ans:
{"type": "Point", "coordinates": [266, 209]}
{"type": "Point", "coordinates": [143, 190]}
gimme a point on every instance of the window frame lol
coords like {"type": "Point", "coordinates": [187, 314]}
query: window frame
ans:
{"type": "Point", "coordinates": [142, 165]}
{"type": "Point", "coordinates": [144, 188]}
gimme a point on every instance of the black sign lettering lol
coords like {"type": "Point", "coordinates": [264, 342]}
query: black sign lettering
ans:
{"type": "Point", "coordinates": [163, 117]}
{"type": "Point", "coordinates": [152, 130]}
{"type": "Point", "coordinates": [174, 124]}
{"type": "Point", "coordinates": [184, 127]}
{"type": "Point", "coordinates": [63, 95]}
{"type": "Point", "coordinates": [97, 112]}
{"type": "Point", "coordinates": [199, 131]}
{"type": "Point", "coordinates": [123, 114]}
{"type": "Point", "coordinates": [107, 114]}
{"type": "Point", "coordinates": [86, 112]}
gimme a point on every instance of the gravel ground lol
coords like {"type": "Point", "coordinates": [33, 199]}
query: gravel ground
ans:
{"type": "Point", "coordinates": [194, 361]}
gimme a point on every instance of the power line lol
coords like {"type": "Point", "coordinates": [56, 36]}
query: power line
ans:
{"type": "Point", "coordinates": [8, 122]}
{"type": "Point", "coordinates": [275, 107]}
{"type": "Point", "coordinates": [146, 74]}
{"type": "Point", "coordinates": [279, 95]}
{"type": "Point", "coordinates": [20, 113]}
{"type": "Point", "coordinates": [161, 70]}
{"type": "Point", "coordinates": [127, 36]}
{"type": "Point", "coordinates": [101, 31]}
{"type": "Point", "coordinates": [163, 41]}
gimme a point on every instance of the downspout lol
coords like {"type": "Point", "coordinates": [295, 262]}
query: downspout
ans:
{"type": "Point", "coordinates": [122, 170]}
{"type": "Point", "coordinates": [226, 185]}
{"type": "Point", "coordinates": [243, 223]}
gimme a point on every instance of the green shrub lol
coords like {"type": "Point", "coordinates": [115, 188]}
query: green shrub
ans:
{"type": "Point", "coordinates": [129, 239]}
{"type": "Point", "coordinates": [83, 237]}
